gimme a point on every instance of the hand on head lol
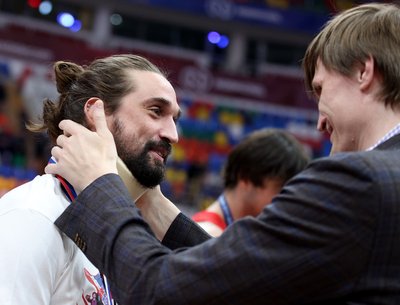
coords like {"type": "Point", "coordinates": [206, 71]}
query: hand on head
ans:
{"type": "Point", "coordinates": [83, 155]}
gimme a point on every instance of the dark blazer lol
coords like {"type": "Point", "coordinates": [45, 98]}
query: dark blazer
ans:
{"type": "Point", "coordinates": [332, 236]}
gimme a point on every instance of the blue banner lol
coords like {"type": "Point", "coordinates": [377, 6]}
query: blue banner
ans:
{"type": "Point", "coordinates": [254, 12]}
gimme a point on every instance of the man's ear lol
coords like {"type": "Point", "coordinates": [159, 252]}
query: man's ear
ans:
{"type": "Point", "coordinates": [244, 183]}
{"type": "Point", "coordinates": [366, 73]}
{"type": "Point", "coordinates": [88, 109]}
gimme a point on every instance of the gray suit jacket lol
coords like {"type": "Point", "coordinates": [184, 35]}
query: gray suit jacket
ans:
{"type": "Point", "coordinates": [332, 236]}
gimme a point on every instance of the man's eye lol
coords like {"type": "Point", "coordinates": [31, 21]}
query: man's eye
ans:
{"type": "Point", "coordinates": [156, 110]}
{"type": "Point", "coordinates": [317, 91]}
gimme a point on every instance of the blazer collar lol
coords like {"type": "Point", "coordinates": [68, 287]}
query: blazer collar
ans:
{"type": "Point", "coordinates": [392, 143]}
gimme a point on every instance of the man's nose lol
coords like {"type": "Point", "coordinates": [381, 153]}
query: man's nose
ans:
{"type": "Point", "coordinates": [169, 131]}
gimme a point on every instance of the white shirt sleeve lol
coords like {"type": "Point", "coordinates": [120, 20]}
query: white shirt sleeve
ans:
{"type": "Point", "coordinates": [31, 258]}
{"type": "Point", "coordinates": [211, 228]}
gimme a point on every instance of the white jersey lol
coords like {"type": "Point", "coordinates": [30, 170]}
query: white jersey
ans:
{"type": "Point", "coordinates": [39, 264]}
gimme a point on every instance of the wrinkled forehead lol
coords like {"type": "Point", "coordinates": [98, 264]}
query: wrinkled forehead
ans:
{"type": "Point", "coordinates": [149, 87]}
{"type": "Point", "coordinates": [152, 84]}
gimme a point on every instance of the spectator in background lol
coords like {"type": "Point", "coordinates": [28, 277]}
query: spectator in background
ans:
{"type": "Point", "coordinates": [36, 84]}
{"type": "Point", "coordinates": [40, 265]}
{"type": "Point", "coordinates": [255, 171]}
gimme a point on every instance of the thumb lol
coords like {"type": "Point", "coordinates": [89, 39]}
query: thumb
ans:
{"type": "Point", "coordinates": [99, 118]}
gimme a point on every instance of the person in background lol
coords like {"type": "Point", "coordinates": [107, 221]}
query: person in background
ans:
{"type": "Point", "coordinates": [255, 171]}
{"type": "Point", "coordinates": [39, 264]}
{"type": "Point", "coordinates": [331, 236]}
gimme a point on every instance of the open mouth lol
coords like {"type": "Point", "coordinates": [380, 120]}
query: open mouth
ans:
{"type": "Point", "coordinates": [162, 151]}
{"type": "Point", "coordinates": [328, 127]}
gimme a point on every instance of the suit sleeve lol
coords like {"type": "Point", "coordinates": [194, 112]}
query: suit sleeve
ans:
{"type": "Point", "coordinates": [300, 249]}
{"type": "Point", "coordinates": [184, 232]}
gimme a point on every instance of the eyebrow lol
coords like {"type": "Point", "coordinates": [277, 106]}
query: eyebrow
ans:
{"type": "Point", "coordinates": [166, 103]}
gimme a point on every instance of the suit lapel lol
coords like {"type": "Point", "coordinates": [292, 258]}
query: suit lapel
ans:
{"type": "Point", "coordinates": [392, 143]}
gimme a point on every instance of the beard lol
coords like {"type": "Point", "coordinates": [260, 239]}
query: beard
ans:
{"type": "Point", "coordinates": [147, 172]}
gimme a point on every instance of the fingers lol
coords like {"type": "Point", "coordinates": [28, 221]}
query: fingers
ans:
{"type": "Point", "coordinates": [99, 118]}
{"type": "Point", "coordinates": [70, 127]}
{"type": "Point", "coordinates": [56, 152]}
{"type": "Point", "coordinates": [61, 140]}
{"type": "Point", "coordinates": [50, 168]}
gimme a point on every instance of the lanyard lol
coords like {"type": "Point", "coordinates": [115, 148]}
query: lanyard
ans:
{"type": "Point", "coordinates": [69, 191]}
{"type": "Point", "coordinates": [225, 209]}
{"type": "Point", "coordinates": [66, 187]}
